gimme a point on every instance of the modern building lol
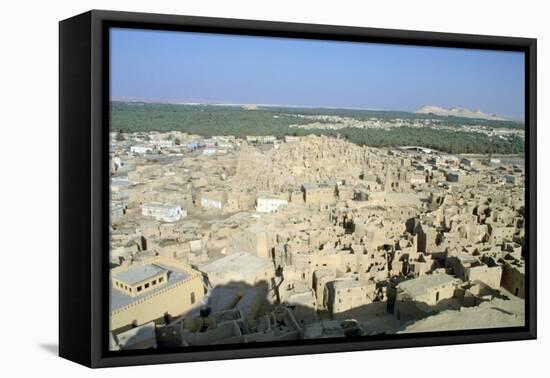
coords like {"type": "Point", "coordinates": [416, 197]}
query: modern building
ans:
{"type": "Point", "coordinates": [147, 291]}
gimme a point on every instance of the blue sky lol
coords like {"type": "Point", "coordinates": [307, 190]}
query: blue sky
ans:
{"type": "Point", "coordinates": [193, 67]}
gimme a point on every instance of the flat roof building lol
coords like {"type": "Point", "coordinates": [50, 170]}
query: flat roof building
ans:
{"type": "Point", "coordinates": [421, 297]}
{"type": "Point", "coordinates": [148, 290]}
{"type": "Point", "coordinates": [239, 267]}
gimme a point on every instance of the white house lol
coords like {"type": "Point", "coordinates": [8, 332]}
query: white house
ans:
{"type": "Point", "coordinates": [213, 200]}
{"type": "Point", "coordinates": [162, 143]}
{"type": "Point", "coordinates": [210, 203]}
{"type": "Point", "coordinates": [269, 205]}
{"type": "Point", "coordinates": [141, 150]}
{"type": "Point", "coordinates": [163, 212]}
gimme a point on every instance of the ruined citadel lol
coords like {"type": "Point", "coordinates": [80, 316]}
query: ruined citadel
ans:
{"type": "Point", "coordinates": [224, 240]}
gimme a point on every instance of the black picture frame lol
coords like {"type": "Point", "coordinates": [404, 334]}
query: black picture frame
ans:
{"type": "Point", "coordinates": [83, 194]}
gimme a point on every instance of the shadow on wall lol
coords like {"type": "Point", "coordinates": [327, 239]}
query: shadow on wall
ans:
{"type": "Point", "coordinates": [233, 313]}
{"type": "Point", "coordinates": [237, 313]}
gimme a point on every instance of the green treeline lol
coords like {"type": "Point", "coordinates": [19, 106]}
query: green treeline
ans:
{"type": "Point", "coordinates": [227, 120]}
{"type": "Point", "coordinates": [452, 142]}
{"type": "Point", "coordinates": [200, 119]}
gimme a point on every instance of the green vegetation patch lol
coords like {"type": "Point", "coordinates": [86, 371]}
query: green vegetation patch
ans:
{"type": "Point", "coordinates": [209, 120]}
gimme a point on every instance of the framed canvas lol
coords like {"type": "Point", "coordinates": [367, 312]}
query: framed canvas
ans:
{"type": "Point", "coordinates": [235, 188]}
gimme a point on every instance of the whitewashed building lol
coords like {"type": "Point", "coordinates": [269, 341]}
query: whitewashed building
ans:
{"type": "Point", "coordinates": [141, 150]}
{"type": "Point", "coordinates": [163, 212]}
{"type": "Point", "coordinates": [163, 143]}
{"type": "Point", "coordinates": [213, 200]}
{"type": "Point", "coordinates": [211, 203]}
{"type": "Point", "coordinates": [269, 205]}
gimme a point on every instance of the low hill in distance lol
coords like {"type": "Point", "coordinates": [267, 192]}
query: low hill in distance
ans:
{"type": "Point", "coordinates": [459, 112]}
